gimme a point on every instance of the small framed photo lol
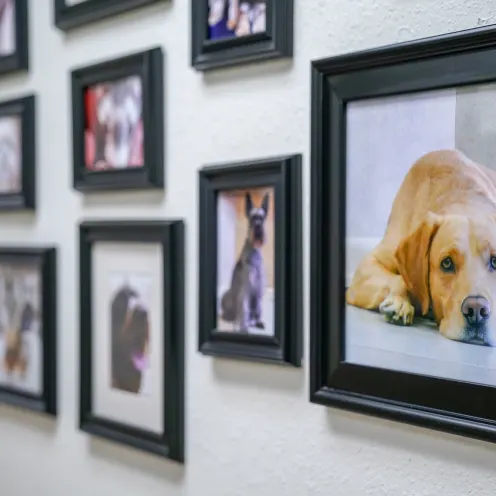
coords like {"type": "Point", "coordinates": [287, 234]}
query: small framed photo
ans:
{"type": "Point", "coordinates": [70, 14]}
{"type": "Point", "coordinates": [118, 123]}
{"type": "Point", "coordinates": [14, 44]}
{"type": "Point", "coordinates": [403, 261]}
{"type": "Point", "coordinates": [250, 261]}
{"type": "Point", "coordinates": [233, 32]}
{"type": "Point", "coordinates": [17, 154]}
{"type": "Point", "coordinates": [132, 334]}
{"type": "Point", "coordinates": [28, 355]}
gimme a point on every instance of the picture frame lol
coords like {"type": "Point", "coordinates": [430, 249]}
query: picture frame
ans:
{"type": "Point", "coordinates": [251, 211]}
{"type": "Point", "coordinates": [154, 419]}
{"type": "Point", "coordinates": [229, 48]}
{"type": "Point", "coordinates": [351, 95]}
{"type": "Point", "coordinates": [96, 92]}
{"type": "Point", "coordinates": [14, 48]}
{"type": "Point", "coordinates": [22, 384]}
{"type": "Point", "coordinates": [18, 137]}
{"type": "Point", "coordinates": [68, 17]}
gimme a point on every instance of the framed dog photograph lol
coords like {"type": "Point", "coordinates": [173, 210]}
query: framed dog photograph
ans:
{"type": "Point", "coordinates": [403, 261]}
{"type": "Point", "coordinates": [28, 355]}
{"type": "Point", "coordinates": [232, 32]}
{"type": "Point", "coordinates": [17, 154]}
{"type": "Point", "coordinates": [118, 123]}
{"type": "Point", "coordinates": [70, 14]}
{"type": "Point", "coordinates": [132, 334]}
{"type": "Point", "coordinates": [250, 260]}
{"type": "Point", "coordinates": [14, 44]}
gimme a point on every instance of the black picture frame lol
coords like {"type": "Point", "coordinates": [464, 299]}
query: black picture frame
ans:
{"type": "Point", "coordinates": [284, 175]}
{"type": "Point", "coordinates": [148, 65]}
{"type": "Point", "coordinates": [170, 235]}
{"type": "Point", "coordinates": [68, 17]}
{"type": "Point", "coordinates": [25, 198]}
{"type": "Point", "coordinates": [442, 62]}
{"type": "Point", "coordinates": [276, 42]}
{"type": "Point", "coordinates": [45, 259]}
{"type": "Point", "coordinates": [19, 60]}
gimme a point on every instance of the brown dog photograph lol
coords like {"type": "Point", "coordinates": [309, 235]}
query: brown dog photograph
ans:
{"type": "Point", "coordinates": [20, 328]}
{"type": "Point", "coordinates": [421, 233]}
{"type": "Point", "coordinates": [130, 333]}
{"type": "Point", "coordinates": [245, 261]}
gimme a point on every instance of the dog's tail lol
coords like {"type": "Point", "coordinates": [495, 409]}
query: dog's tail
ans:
{"type": "Point", "coordinates": [228, 312]}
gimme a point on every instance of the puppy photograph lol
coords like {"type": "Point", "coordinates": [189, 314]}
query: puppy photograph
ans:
{"type": "Point", "coordinates": [130, 332]}
{"type": "Point", "coordinates": [245, 261]}
{"type": "Point", "coordinates": [7, 28]}
{"type": "Point", "coordinates": [114, 125]}
{"type": "Point", "coordinates": [20, 328]}
{"type": "Point", "coordinates": [238, 18]}
{"type": "Point", "coordinates": [421, 233]}
{"type": "Point", "coordinates": [10, 155]}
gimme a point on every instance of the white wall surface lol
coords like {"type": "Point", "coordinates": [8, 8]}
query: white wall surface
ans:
{"type": "Point", "coordinates": [250, 428]}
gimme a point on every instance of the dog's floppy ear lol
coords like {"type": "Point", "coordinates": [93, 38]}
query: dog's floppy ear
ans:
{"type": "Point", "coordinates": [412, 256]}
{"type": "Point", "coordinates": [249, 204]}
{"type": "Point", "coordinates": [265, 203]}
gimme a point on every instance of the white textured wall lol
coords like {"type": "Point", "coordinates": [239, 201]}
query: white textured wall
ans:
{"type": "Point", "coordinates": [250, 428]}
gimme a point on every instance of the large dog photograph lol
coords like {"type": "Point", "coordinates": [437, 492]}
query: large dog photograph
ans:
{"type": "Point", "coordinates": [420, 233]}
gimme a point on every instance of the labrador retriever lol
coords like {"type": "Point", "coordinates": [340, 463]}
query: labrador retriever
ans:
{"type": "Point", "coordinates": [438, 254]}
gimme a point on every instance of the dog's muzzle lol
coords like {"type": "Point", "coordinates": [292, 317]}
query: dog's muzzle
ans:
{"type": "Point", "coordinates": [476, 311]}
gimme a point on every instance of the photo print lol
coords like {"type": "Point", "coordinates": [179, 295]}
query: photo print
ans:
{"type": "Point", "coordinates": [236, 18]}
{"type": "Point", "coordinates": [114, 134]}
{"type": "Point", "coordinates": [130, 299]}
{"type": "Point", "coordinates": [10, 155]}
{"type": "Point", "coordinates": [245, 261]}
{"type": "Point", "coordinates": [7, 27]}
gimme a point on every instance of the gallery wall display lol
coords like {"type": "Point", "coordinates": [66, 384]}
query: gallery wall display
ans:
{"type": "Point", "coordinates": [250, 293]}
{"type": "Point", "coordinates": [28, 355]}
{"type": "Point", "coordinates": [14, 39]}
{"type": "Point", "coordinates": [17, 154]}
{"type": "Point", "coordinates": [132, 334]}
{"type": "Point", "coordinates": [118, 123]}
{"type": "Point", "coordinates": [231, 32]}
{"type": "Point", "coordinates": [70, 14]}
{"type": "Point", "coordinates": [403, 261]}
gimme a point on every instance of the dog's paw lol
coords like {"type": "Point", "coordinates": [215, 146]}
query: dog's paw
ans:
{"type": "Point", "coordinates": [397, 310]}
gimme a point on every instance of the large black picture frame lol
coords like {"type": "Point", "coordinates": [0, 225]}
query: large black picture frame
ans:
{"type": "Point", "coordinates": [19, 60]}
{"type": "Point", "coordinates": [170, 235]}
{"type": "Point", "coordinates": [284, 175]}
{"type": "Point", "coordinates": [440, 62]}
{"type": "Point", "coordinates": [68, 17]}
{"type": "Point", "coordinates": [45, 259]}
{"type": "Point", "coordinates": [148, 65]}
{"type": "Point", "coordinates": [276, 42]}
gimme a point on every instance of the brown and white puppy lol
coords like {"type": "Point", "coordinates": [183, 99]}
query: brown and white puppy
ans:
{"type": "Point", "coordinates": [439, 251]}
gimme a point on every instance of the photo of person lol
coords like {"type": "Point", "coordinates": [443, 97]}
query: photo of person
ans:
{"type": "Point", "coordinates": [245, 261]}
{"type": "Point", "coordinates": [114, 125]}
{"type": "Point", "coordinates": [130, 296]}
{"type": "Point", "coordinates": [421, 238]}
{"type": "Point", "coordinates": [10, 155]}
{"type": "Point", "coordinates": [20, 328]}
{"type": "Point", "coordinates": [228, 18]}
{"type": "Point", "coordinates": [7, 28]}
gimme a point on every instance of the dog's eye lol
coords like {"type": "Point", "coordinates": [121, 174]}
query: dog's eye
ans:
{"type": "Point", "coordinates": [492, 263]}
{"type": "Point", "coordinates": [447, 264]}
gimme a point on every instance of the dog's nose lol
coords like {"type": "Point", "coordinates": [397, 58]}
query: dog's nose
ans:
{"type": "Point", "coordinates": [476, 310]}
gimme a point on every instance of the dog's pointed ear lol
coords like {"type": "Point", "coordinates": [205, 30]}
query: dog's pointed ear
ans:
{"type": "Point", "coordinates": [265, 203]}
{"type": "Point", "coordinates": [412, 257]}
{"type": "Point", "coordinates": [249, 204]}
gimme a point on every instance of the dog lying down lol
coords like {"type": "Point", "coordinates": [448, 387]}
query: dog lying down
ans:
{"type": "Point", "coordinates": [438, 254]}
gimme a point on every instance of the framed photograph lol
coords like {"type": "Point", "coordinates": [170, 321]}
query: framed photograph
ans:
{"type": "Point", "coordinates": [132, 334]}
{"type": "Point", "coordinates": [17, 154]}
{"type": "Point", "coordinates": [14, 44]}
{"type": "Point", "coordinates": [232, 32]}
{"type": "Point", "coordinates": [28, 354]}
{"type": "Point", "coordinates": [70, 14]}
{"type": "Point", "coordinates": [118, 123]}
{"type": "Point", "coordinates": [250, 261]}
{"type": "Point", "coordinates": [403, 261]}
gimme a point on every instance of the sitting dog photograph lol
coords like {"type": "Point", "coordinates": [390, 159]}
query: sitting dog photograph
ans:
{"type": "Point", "coordinates": [114, 125]}
{"type": "Point", "coordinates": [130, 332]}
{"type": "Point", "coordinates": [238, 18]}
{"type": "Point", "coordinates": [10, 155]}
{"type": "Point", "coordinates": [245, 261]}
{"type": "Point", "coordinates": [421, 233]}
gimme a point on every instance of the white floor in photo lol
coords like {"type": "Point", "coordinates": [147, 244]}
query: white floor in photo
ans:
{"type": "Point", "coordinates": [420, 348]}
